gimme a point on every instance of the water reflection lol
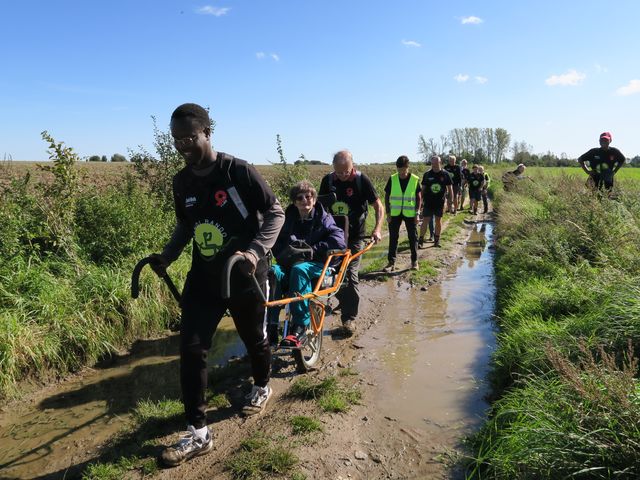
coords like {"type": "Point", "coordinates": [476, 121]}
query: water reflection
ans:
{"type": "Point", "coordinates": [437, 343]}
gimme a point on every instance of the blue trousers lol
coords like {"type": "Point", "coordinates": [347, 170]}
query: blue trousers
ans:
{"type": "Point", "coordinates": [300, 279]}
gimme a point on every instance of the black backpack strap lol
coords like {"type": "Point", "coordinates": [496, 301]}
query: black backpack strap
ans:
{"type": "Point", "coordinates": [231, 167]}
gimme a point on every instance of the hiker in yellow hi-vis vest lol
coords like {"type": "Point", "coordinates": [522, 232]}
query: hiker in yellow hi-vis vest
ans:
{"type": "Point", "coordinates": [402, 201]}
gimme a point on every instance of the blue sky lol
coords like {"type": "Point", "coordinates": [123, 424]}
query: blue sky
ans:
{"type": "Point", "coordinates": [370, 76]}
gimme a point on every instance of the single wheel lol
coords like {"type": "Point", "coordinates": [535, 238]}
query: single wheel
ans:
{"type": "Point", "coordinates": [307, 356]}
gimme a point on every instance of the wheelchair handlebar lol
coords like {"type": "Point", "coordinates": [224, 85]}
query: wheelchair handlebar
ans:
{"type": "Point", "coordinates": [135, 280]}
{"type": "Point", "coordinates": [226, 278]}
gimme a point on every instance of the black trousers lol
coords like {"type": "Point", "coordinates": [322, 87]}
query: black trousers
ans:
{"type": "Point", "coordinates": [349, 294]}
{"type": "Point", "coordinates": [394, 233]}
{"type": "Point", "coordinates": [202, 310]}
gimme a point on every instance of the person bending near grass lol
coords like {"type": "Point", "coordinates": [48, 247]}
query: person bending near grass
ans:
{"type": "Point", "coordinates": [476, 184]}
{"type": "Point", "coordinates": [309, 227]}
{"type": "Point", "coordinates": [604, 162]}
{"type": "Point", "coordinates": [402, 201]}
{"type": "Point", "coordinates": [436, 183]}
{"type": "Point", "coordinates": [224, 207]}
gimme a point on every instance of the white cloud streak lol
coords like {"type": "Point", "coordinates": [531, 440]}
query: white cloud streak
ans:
{"type": "Point", "coordinates": [411, 43]}
{"type": "Point", "coordinates": [630, 88]}
{"type": "Point", "coordinates": [460, 78]}
{"type": "Point", "coordinates": [273, 56]}
{"type": "Point", "coordinates": [570, 79]}
{"type": "Point", "coordinates": [211, 10]}
{"type": "Point", "coordinates": [471, 20]}
{"type": "Point", "coordinates": [481, 80]}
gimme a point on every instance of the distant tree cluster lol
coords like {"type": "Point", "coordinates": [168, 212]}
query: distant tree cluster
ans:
{"type": "Point", "coordinates": [482, 145]}
{"type": "Point", "coordinates": [116, 157]}
{"type": "Point", "coordinates": [492, 145]}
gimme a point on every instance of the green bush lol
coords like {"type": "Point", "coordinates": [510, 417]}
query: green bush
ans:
{"type": "Point", "coordinates": [113, 225]}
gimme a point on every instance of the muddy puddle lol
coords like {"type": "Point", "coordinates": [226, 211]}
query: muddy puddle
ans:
{"type": "Point", "coordinates": [432, 353]}
{"type": "Point", "coordinates": [73, 419]}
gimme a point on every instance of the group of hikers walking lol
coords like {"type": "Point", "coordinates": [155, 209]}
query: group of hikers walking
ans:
{"type": "Point", "coordinates": [407, 198]}
{"type": "Point", "coordinates": [225, 208]}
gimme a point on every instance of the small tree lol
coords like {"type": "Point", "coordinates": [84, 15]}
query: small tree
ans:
{"type": "Point", "coordinates": [116, 157]}
{"type": "Point", "coordinates": [103, 158]}
{"type": "Point", "coordinates": [94, 158]}
{"type": "Point", "coordinates": [286, 174]}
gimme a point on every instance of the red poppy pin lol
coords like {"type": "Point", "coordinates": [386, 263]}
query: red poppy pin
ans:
{"type": "Point", "coordinates": [349, 192]}
{"type": "Point", "coordinates": [220, 198]}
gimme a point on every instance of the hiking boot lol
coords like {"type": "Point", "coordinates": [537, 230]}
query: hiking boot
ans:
{"type": "Point", "coordinates": [421, 242]}
{"type": "Point", "coordinates": [347, 326]}
{"type": "Point", "coordinates": [190, 445]}
{"type": "Point", "coordinates": [391, 266]}
{"type": "Point", "coordinates": [414, 265]}
{"type": "Point", "coordinates": [436, 242]}
{"type": "Point", "coordinates": [257, 400]}
{"type": "Point", "coordinates": [272, 334]}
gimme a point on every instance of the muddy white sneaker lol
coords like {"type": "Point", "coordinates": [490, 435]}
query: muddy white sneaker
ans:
{"type": "Point", "coordinates": [190, 445]}
{"type": "Point", "coordinates": [257, 400]}
{"type": "Point", "coordinates": [414, 265]}
{"type": "Point", "coordinates": [389, 268]}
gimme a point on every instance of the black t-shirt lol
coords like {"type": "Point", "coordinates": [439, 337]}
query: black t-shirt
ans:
{"type": "Point", "coordinates": [221, 210]}
{"type": "Point", "coordinates": [350, 200]}
{"type": "Point", "coordinates": [403, 186]}
{"type": "Point", "coordinates": [435, 184]}
{"type": "Point", "coordinates": [475, 181]}
{"type": "Point", "coordinates": [602, 161]}
{"type": "Point", "coordinates": [456, 173]}
{"type": "Point", "coordinates": [465, 173]}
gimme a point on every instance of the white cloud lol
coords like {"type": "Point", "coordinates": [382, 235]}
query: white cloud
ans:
{"type": "Point", "coordinates": [215, 11]}
{"type": "Point", "coordinates": [460, 78]}
{"type": "Point", "coordinates": [274, 56]}
{"type": "Point", "coordinates": [629, 89]}
{"type": "Point", "coordinates": [481, 80]}
{"type": "Point", "coordinates": [411, 43]}
{"type": "Point", "coordinates": [571, 78]}
{"type": "Point", "coordinates": [471, 20]}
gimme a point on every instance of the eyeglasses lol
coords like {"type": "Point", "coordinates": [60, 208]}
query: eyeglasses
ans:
{"type": "Point", "coordinates": [304, 196]}
{"type": "Point", "coordinates": [185, 142]}
{"type": "Point", "coordinates": [343, 174]}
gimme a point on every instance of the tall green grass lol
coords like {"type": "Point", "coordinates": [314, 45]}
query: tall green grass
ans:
{"type": "Point", "coordinates": [565, 372]}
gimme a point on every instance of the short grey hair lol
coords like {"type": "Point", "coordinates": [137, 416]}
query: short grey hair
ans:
{"type": "Point", "coordinates": [303, 186]}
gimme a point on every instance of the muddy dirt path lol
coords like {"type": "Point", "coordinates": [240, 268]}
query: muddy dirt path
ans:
{"type": "Point", "coordinates": [419, 353]}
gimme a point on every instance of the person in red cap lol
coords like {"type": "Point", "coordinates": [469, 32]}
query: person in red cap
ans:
{"type": "Point", "coordinates": [603, 162]}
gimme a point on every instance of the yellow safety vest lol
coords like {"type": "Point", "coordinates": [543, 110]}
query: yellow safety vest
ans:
{"type": "Point", "coordinates": [403, 202]}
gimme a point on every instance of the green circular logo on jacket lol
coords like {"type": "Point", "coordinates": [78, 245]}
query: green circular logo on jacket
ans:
{"type": "Point", "coordinates": [209, 239]}
{"type": "Point", "coordinates": [476, 183]}
{"type": "Point", "coordinates": [436, 188]}
{"type": "Point", "coordinates": [340, 208]}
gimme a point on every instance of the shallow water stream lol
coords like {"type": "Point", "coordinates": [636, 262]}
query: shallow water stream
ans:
{"type": "Point", "coordinates": [433, 354]}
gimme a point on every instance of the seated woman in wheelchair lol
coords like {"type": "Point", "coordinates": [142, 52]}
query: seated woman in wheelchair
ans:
{"type": "Point", "coordinates": [308, 233]}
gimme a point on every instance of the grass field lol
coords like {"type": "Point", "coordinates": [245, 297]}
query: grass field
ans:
{"type": "Point", "coordinates": [565, 373]}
